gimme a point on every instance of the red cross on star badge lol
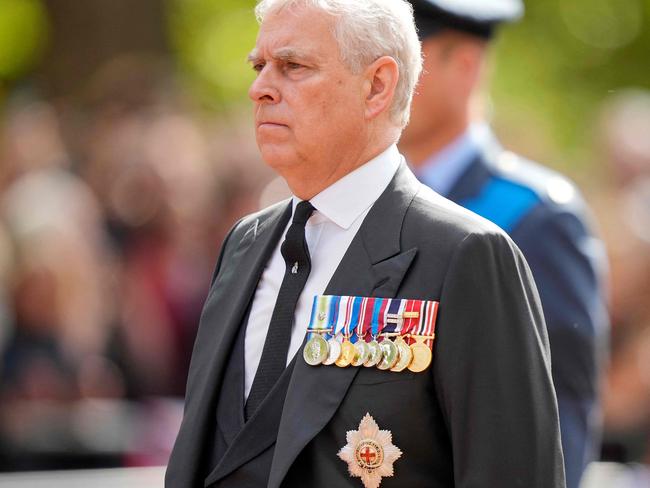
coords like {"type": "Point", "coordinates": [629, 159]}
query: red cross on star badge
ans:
{"type": "Point", "coordinates": [370, 453]}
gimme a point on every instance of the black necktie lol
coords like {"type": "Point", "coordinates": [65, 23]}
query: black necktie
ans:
{"type": "Point", "coordinates": [276, 347]}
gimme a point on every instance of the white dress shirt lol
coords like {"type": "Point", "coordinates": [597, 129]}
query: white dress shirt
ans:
{"type": "Point", "coordinates": [340, 211]}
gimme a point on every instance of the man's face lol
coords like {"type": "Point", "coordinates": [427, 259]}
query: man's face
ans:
{"type": "Point", "coordinates": [451, 73]}
{"type": "Point", "coordinates": [437, 95]}
{"type": "Point", "coordinates": [309, 110]}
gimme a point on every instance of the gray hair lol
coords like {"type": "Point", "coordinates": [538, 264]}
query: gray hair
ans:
{"type": "Point", "coordinates": [366, 30]}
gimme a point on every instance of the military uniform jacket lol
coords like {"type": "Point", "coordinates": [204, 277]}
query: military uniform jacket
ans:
{"type": "Point", "coordinates": [483, 415]}
{"type": "Point", "coordinates": [548, 220]}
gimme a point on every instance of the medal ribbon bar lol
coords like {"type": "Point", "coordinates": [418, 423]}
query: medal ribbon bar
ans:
{"type": "Point", "coordinates": [320, 314]}
{"type": "Point", "coordinates": [394, 316]}
{"type": "Point", "coordinates": [333, 316]}
{"type": "Point", "coordinates": [363, 321]}
{"type": "Point", "coordinates": [379, 316]}
{"type": "Point", "coordinates": [412, 314]}
{"type": "Point", "coordinates": [344, 315]}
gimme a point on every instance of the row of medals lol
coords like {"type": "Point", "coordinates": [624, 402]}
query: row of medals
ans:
{"type": "Point", "coordinates": [393, 353]}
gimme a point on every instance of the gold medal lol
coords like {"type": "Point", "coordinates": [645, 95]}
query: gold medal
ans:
{"type": "Point", "coordinates": [362, 353]}
{"type": "Point", "coordinates": [405, 355]}
{"type": "Point", "coordinates": [421, 354]}
{"type": "Point", "coordinates": [348, 352]}
{"type": "Point", "coordinates": [390, 354]}
{"type": "Point", "coordinates": [374, 355]}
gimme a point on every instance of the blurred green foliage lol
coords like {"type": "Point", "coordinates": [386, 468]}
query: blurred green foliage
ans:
{"type": "Point", "coordinates": [563, 60]}
{"type": "Point", "coordinates": [23, 36]}
{"type": "Point", "coordinates": [212, 39]}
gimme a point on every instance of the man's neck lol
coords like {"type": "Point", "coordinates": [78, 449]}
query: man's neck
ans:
{"type": "Point", "coordinates": [306, 186]}
{"type": "Point", "coordinates": [420, 150]}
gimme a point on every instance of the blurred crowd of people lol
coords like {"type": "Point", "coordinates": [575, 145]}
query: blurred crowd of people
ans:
{"type": "Point", "coordinates": [623, 210]}
{"type": "Point", "coordinates": [112, 210]}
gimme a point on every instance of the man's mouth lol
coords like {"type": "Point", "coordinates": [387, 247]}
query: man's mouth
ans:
{"type": "Point", "coordinates": [265, 124]}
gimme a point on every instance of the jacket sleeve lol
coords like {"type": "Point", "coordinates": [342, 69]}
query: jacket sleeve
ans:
{"type": "Point", "coordinates": [178, 473]}
{"type": "Point", "coordinates": [492, 370]}
{"type": "Point", "coordinates": [568, 265]}
{"type": "Point", "coordinates": [215, 274]}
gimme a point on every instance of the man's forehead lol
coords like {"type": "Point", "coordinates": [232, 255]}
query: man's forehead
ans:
{"type": "Point", "coordinates": [284, 52]}
{"type": "Point", "coordinates": [302, 32]}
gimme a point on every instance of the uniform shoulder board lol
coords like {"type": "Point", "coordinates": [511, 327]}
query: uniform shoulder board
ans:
{"type": "Point", "coordinates": [549, 185]}
{"type": "Point", "coordinates": [516, 187]}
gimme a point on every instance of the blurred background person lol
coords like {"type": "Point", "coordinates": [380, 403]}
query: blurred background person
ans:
{"type": "Point", "coordinates": [452, 150]}
{"type": "Point", "coordinates": [57, 351]}
{"type": "Point", "coordinates": [112, 210]}
{"type": "Point", "coordinates": [624, 127]}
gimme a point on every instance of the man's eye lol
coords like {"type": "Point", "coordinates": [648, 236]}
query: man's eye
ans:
{"type": "Point", "coordinates": [294, 65]}
{"type": "Point", "coordinates": [257, 67]}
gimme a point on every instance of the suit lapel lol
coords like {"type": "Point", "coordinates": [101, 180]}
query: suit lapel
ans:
{"type": "Point", "coordinates": [258, 434]}
{"type": "Point", "coordinates": [374, 265]}
{"type": "Point", "coordinates": [221, 318]}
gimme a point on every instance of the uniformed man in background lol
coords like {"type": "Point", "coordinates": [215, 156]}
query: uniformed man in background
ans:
{"type": "Point", "coordinates": [539, 208]}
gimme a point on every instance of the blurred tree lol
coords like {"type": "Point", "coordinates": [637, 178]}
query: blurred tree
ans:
{"type": "Point", "coordinates": [556, 67]}
{"type": "Point", "coordinates": [23, 35]}
{"type": "Point", "coordinates": [86, 34]}
{"type": "Point", "coordinates": [211, 40]}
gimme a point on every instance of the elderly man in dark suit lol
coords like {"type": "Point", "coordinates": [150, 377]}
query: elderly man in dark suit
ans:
{"type": "Point", "coordinates": [334, 83]}
{"type": "Point", "coordinates": [458, 156]}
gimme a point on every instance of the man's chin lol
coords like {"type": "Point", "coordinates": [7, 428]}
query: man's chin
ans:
{"type": "Point", "coordinates": [278, 156]}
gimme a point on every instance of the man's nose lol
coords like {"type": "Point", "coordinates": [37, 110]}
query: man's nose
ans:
{"type": "Point", "coordinates": [264, 89]}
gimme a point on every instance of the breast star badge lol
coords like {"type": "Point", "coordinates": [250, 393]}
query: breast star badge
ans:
{"type": "Point", "coordinates": [370, 453]}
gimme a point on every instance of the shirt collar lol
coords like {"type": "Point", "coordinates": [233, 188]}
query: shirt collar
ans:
{"type": "Point", "coordinates": [348, 198]}
{"type": "Point", "coordinates": [443, 169]}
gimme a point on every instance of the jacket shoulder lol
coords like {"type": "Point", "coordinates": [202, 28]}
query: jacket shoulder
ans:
{"type": "Point", "coordinates": [517, 188]}
{"type": "Point", "coordinates": [445, 233]}
{"type": "Point", "coordinates": [432, 216]}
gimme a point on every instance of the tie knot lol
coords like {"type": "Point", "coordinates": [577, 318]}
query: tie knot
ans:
{"type": "Point", "coordinates": [304, 209]}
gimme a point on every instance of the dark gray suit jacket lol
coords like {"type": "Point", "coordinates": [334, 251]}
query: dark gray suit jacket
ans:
{"type": "Point", "coordinates": [484, 415]}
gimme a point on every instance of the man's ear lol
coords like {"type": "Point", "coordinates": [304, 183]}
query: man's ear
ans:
{"type": "Point", "coordinates": [381, 81]}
